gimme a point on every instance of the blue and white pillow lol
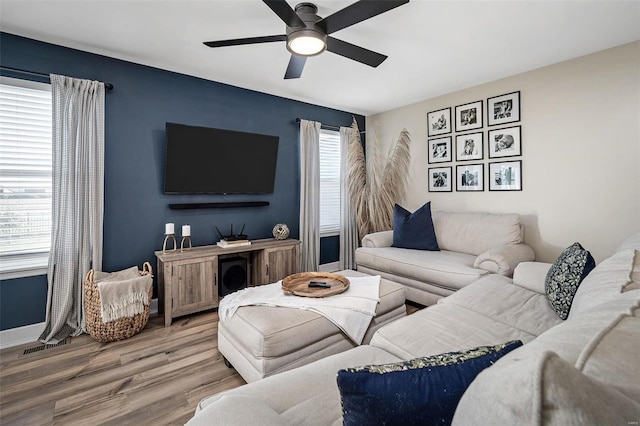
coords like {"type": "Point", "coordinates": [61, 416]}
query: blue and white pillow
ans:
{"type": "Point", "coordinates": [564, 277]}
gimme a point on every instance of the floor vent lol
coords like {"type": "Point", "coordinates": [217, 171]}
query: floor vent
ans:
{"type": "Point", "coordinates": [43, 347]}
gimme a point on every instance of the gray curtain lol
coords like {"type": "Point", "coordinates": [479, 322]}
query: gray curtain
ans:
{"type": "Point", "coordinates": [309, 195]}
{"type": "Point", "coordinates": [348, 229]}
{"type": "Point", "coordinates": [78, 201]}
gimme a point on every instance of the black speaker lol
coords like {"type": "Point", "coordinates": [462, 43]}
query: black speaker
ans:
{"type": "Point", "coordinates": [233, 275]}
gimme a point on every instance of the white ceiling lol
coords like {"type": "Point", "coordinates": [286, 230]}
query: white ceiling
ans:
{"type": "Point", "coordinates": [434, 47]}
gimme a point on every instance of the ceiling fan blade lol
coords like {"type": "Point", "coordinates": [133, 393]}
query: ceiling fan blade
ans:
{"type": "Point", "coordinates": [357, 53]}
{"type": "Point", "coordinates": [295, 67]}
{"type": "Point", "coordinates": [284, 11]}
{"type": "Point", "coordinates": [250, 40]}
{"type": "Point", "coordinates": [357, 12]}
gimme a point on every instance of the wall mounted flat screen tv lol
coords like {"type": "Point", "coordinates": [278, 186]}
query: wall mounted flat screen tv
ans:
{"type": "Point", "coordinates": [202, 160]}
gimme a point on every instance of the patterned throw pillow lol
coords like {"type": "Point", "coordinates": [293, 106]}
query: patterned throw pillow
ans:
{"type": "Point", "coordinates": [564, 277]}
{"type": "Point", "coordinates": [421, 391]}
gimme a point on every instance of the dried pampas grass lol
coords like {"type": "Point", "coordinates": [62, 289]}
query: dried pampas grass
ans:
{"type": "Point", "coordinates": [375, 187]}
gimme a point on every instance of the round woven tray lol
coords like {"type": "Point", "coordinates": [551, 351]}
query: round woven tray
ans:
{"type": "Point", "coordinates": [298, 284]}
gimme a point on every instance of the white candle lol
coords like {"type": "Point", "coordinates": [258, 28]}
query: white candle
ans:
{"type": "Point", "coordinates": [186, 230]}
{"type": "Point", "coordinates": [169, 229]}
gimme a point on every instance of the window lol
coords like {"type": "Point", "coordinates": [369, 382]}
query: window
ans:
{"type": "Point", "coordinates": [329, 183]}
{"type": "Point", "coordinates": [25, 177]}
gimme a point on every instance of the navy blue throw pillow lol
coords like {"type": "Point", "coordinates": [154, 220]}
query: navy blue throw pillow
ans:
{"type": "Point", "coordinates": [414, 230]}
{"type": "Point", "coordinates": [421, 391]}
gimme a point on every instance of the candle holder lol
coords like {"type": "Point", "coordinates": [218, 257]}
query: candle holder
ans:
{"type": "Point", "coordinates": [185, 239]}
{"type": "Point", "coordinates": [169, 237]}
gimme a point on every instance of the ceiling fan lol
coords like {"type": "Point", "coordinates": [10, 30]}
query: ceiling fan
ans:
{"type": "Point", "coordinates": [308, 34]}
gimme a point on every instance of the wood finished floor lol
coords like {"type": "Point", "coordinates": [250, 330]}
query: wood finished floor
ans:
{"type": "Point", "coordinates": [156, 377]}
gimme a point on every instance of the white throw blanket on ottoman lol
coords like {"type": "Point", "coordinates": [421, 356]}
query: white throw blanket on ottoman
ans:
{"type": "Point", "coordinates": [351, 311]}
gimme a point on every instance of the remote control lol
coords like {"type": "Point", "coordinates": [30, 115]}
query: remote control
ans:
{"type": "Point", "coordinates": [319, 284]}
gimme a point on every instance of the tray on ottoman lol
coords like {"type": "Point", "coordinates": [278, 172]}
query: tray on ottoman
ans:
{"type": "Point", "coordinates": [302, 284]}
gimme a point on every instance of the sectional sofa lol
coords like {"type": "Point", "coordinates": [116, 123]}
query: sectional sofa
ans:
{"type": "Point", "coordinates": [582, 370]}
{"type": "Point", "coordinates": [472, 245]}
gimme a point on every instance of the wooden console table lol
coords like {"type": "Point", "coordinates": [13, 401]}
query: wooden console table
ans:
{"type": "Point", "coordinates": [188, 280]}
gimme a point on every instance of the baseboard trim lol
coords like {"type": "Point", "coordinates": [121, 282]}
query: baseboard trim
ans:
{"type": "Point", "coordinates": [21, 335]}
{"type": "Point", "coordinates": [329, 267]}
{"type": "Point", "coordinates": [30, 333]}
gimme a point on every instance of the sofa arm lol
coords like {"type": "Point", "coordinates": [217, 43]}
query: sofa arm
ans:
{"type": "Point", "coordinates": [378, 239]}
{"type": "Point", "coordinates": [532, 275]}
{"type": "Point", "coordinates": [503, 259]}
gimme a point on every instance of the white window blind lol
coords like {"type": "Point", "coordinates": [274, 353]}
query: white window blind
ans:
{"type": "Point", "coordinates": [329, 182]}
{"type": "Point", "coordinates": [25, 174]}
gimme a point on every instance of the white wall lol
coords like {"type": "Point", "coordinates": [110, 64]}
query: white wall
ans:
{"type": "Point", "coordinates": [580, 151]}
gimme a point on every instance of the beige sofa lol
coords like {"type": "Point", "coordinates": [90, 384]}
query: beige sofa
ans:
{"type": "Point", "coordinates": [472, 245]}
{"type": "Point", "coordinates": [583, 370]}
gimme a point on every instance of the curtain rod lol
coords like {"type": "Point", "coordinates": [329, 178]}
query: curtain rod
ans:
{"type": "Point", "coordinates": [107, 86]}
{"type": "Point", "coordinates": [328, 126]}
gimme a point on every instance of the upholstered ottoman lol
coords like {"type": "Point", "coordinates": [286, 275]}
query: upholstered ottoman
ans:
{"type": "Point", "coordinates": [260, 341]}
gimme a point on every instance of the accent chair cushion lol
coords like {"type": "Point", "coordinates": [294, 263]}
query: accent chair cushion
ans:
{"type": "Point", "coordinates": [421, 391]}
{"type": "Point", "coordinates": [565, 275]}
{"type": "Point", "coordinates": [414, 230]}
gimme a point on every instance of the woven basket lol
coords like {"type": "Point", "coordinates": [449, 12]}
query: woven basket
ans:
{"type": "Point", "coordinates": [120, 329]}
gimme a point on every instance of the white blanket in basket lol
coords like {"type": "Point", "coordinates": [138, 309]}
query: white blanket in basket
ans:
{"type": "Point", "coordinates": [124, 298]}
{"type": "Point", "coordinates": [351, 311]}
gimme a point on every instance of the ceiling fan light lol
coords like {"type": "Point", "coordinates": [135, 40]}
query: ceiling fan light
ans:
{"type": "Point", "coordinates": [306, 43]}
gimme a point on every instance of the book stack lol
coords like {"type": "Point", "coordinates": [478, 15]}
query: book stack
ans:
{"type": "Point", "coordinates": [233, 243]}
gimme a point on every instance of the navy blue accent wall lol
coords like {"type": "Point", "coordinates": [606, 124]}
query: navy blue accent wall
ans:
{"type": "Point", "coordinates": [143, 100]}
{"type": "Point", "coordinates": [23, 301]}
{"type": "Point", "coordinates": [329, 249]}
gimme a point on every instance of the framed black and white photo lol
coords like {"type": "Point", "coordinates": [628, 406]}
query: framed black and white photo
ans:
{"type": "Point", "coordinates": [503, 109]}
{"type": "Point", "coordinates": [439, 122]}
{"type": "Point", "coordinates": [505, 142]}
{"type": "Point", "coordinates": [440, 179]}
{"type": "Point", "coordinates": [505, 176]}
{"type": "Point", "coordinates": [469, 147]}
{"type": "Point", "coordinates": [440, 150]}
{"type": "Point", "coordinates": [469, 116]}
{"type": "Point", "coordinates": [470, 177]}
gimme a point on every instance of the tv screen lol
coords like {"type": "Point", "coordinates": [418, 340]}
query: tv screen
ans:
{"type": "Point", "coordinates": [202, 160]}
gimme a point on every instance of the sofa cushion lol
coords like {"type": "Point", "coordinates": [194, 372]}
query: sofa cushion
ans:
{"type": "Point", "coordinates": [474, 233]}
{"type": "Point", "coordinates": [565, 275]}
{"type": "Point", "coordinates": [612, 356]}
{"type": "Point", "coordinates": [542, 389]}
{"type": "Point", "coordinates": [584, 371]}
{"type": "Point", "coordinates": [446, 269]}
{"type": "Point", "coordinates": [308, 392]}
{"type": "Point", "coordinates": [631, 243]}
{"type": "Point", "coordinates": [609, 279]}
{"type": "Point", "coordinates": [491, 311]}
{"type": "Point", "coordinates": [444, 329]}
{"type": "Point", "coordinates": [414, 230]}
{"type": "Point", "coordinates": [499, 299]}
{"type": "Point", "coordinates": [232, 410]}
{"type": "Point", "coordinates": [421, 391]}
